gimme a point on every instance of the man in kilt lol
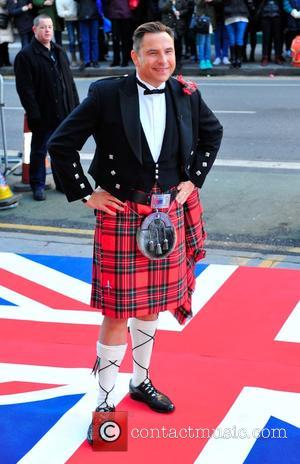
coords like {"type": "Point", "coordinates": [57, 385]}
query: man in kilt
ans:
{"type": "Point", "coordinates": [156, 141]}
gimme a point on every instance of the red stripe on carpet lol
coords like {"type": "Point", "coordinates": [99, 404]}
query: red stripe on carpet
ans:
{"type": "Point", "coordinates": [39, 293]}
{"type": "Point", "coordinates": [242, 319]}
{"type": "Point", "coordinates": [229, 344]}
{"type": "Point", "coordinates": [44, 343]}
{"type": "Point", "coordinates": [10, 388]}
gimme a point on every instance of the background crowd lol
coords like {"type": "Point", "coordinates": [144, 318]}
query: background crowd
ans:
{"type": "Point", "coordinates": [93, 24]}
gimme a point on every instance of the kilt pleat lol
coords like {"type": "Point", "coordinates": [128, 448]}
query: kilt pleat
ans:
{"type": "Point", "coordinates": [127, 284]}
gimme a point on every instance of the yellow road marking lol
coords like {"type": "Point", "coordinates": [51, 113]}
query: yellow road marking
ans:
{"type": "Point", "coordinates": [271, 262]}
{"type": "Point", "coordinates": [252, 246]}
{"type": "Point", "coordinates": [60, 230]}
{"type": "Point", "coordinates": [294, 250]}
{"type": "Point", "coordinates": [266, 263]}
{"type": "Point", "coordinates": [240, 261]}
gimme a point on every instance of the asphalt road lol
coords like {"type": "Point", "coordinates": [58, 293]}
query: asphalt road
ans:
{"type": "Point", "coordinates": [254, 202]}
{"type": "Point", "coordinates": [260, 115]}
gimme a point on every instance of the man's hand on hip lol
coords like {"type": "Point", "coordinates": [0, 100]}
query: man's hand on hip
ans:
{"type": "Point", "coordinates": [184, 191]}
{"type": "Point", "coordinates": [105, 202]}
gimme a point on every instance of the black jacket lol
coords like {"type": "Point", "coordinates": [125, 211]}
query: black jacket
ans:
{"type": "Point", "coordinates": [117, 9]}
{"type": "Point", "coordinates": [111, 114]}
{"type": "Point", "coordinates": [87, 9]}
{"type": "Point", "coordinates": [293, 24]}
{"type": "Point", "coordinates": [23, 19]}
{"type": "Point", "coordinates": [168, 17]}
{"type": "Point", "coordinates": [37, 85]}
{"type": "Point", "coordinates": [235, 8]}
{"type": "Point", "coordinates": [269, 8]}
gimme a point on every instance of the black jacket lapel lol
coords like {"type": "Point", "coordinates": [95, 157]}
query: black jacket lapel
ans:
{"type": "Point", "coordinates": [184, 116]}
{"type": "Point", "coordinates": [129, 102]}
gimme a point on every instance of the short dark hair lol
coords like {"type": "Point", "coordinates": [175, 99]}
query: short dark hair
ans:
{"type": "Point", "coordinates": [37, 19]}
{"type": "Point", "coordinates": [152, 27]}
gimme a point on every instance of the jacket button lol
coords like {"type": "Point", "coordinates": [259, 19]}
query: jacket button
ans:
{"type": "Point", "coordinates": [207, 153]}
{"type": "Point", "coordinates": [118, 186]}
{"type": "Point", "coordinates": [198, 173]}
{"type": "Point", "coordinates": [76, 176]}
{"type": "Point", "coordinates": [204, 164]}
{"type": "Point", "coordinates": [192, 152]}
{"type": "Point", "coordinates": [113, 173]}
{"type": "Point", "coordinates": [111, 157]}
{"type": "Point", "coordinates": [82, 186]}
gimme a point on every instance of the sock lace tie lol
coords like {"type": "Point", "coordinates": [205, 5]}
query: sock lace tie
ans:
{"type": "Point", "coordinates": [150, 338]}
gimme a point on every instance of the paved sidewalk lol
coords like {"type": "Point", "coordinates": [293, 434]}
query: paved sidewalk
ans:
{"type": "Point", "coordinates": [81, 245]}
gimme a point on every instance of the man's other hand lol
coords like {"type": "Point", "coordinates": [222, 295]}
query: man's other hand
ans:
{"type": "Point", "coordinates": [106, 202]}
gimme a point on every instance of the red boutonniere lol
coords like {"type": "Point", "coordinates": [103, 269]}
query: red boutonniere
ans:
{"type": "Point", "coordinates": [188, 87]}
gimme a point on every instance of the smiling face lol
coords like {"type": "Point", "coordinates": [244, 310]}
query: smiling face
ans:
{"type": "Point", "coordinates": [44, 31]}
{"type": "Point", "coordinates": [155, 59]}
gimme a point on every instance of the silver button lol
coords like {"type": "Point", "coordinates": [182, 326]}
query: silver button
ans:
{"type": "Point", "coordinates": [82, 186]}
{"type": "Point", "coordinates": [207, 153]}
{"type": "Point", "coordinates": [156, 165]}
{"type": "Point", "coordinates": [192, 152]}
{"type": "Point", "coordinates": [198, 173]}
{"type": "Point", "coordinates": [75, 165]}
{"type": "Point", "coordinates": [77, 176]}
{"type": "Point", "coordinates": [204, 164]}
{"type": "Point", "coordinates": [111, 157]}
{"type": "Point", "coordinates": [156, 177]}
{"type": "Point", "coordinates": [113, 173]}
{"type": "Point", "coordinates": [117, 186]}
{"type": "Point", "coordinates": [156, 171]}
{"type": "Point", "coordinates": [188, 167]}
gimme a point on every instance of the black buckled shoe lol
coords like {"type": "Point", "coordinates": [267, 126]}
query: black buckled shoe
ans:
{"type": "Point", "coordinates": [100, 408]}
{"type": "Point", "coordinates": [148, 394]}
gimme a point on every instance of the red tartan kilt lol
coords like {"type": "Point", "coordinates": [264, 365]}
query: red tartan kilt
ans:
{"type": "Point", "coordinates": [126, 283]}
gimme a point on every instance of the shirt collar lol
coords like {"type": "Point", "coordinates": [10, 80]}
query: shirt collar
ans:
{"type": "Point", "coordinates": [162, 86]}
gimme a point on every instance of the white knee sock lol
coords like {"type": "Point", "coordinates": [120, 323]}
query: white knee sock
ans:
{"type": "Point", "coordinates": [110, 358]}
{"type": "Point", "coordinates": [142, 336]}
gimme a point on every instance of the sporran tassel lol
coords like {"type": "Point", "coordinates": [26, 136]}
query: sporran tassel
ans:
{"type": "Point", "coordinates": [158, 249]}
{"type": "Point", "coordinates": [151, 245]}
{"type": "Point", "coordinates": [165, 244]}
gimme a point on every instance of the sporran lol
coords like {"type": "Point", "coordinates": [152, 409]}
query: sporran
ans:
{"type": "Point", "coordinates": [156, 237]}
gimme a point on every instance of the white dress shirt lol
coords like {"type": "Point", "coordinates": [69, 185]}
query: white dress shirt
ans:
{"type": "Point", "coordinates": [153, 117]}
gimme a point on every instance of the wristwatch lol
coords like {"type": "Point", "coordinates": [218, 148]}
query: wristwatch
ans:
{"type": "Point", "coordinates": [85, 199]}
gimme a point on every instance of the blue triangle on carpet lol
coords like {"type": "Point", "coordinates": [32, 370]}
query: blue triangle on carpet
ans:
{"type": "Point", "coordinates": [278, 443]}
{"type": "Point", "coordinates": [77, 267]}
{"type": "Point", "coordinates": [22, 425]}
{"type": "Point", "coordinates": [6, 302]}
{"type": "Point", "coordinates": [200, 268]}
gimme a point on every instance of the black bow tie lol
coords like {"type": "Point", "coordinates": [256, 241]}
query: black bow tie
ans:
{"type": "Point", "coordinates": [147, 91]}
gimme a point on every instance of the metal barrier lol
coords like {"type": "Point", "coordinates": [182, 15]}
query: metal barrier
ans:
{"type": "Point", "coordinates": [17, 161]}
{"type": "Point", "coordinates": [2, 121]}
